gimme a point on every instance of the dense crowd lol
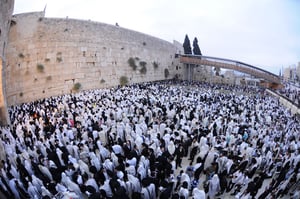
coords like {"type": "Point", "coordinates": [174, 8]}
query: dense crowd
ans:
{"type": "Point", "coordinates": [152, 140]}
{"type": "Point", "coordinates": [292, 93]}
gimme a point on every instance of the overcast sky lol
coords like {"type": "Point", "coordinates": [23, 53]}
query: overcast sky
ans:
{"type": "Point", "coordinates": [264, 33]}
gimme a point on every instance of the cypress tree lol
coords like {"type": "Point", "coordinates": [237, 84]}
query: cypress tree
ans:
{"type": "Point", "coordinates": [196, 49]}
{"type": "Point", "coordinates": [187, 45]}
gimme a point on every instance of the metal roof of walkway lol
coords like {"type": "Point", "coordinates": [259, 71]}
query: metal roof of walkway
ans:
{"type": "Point", "coordinates": [230, 64]}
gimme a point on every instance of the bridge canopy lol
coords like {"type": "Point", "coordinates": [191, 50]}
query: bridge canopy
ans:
{"type": "Point", "coordinates": [231, 64]}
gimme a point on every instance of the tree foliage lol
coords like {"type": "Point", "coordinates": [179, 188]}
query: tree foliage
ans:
{"type": "Point", "coordinates": [196, 49]}
{"type": "Point", "coordinates": [187, 45]}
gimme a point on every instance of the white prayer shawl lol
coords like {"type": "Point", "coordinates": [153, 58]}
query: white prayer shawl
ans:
{"type": "Point", "coordinates": [74, 187]}
{"type": "Point", "coordinates": [138, 141]}
{"type": "Point", "coordinates": [149, 192]}
{"type": "Point", "coordinates": [33, 191]}
{"type": "Point", "coordinates": [103, 151]}
{"type": "Point", "coordinates": [75, 150]}
{"type": "Point", "coordinates": [59, 154]}
{"type": "Point", "coordinates": [46, 172]}
{"type": "Point", "coordinates": [117, 149]}
{"type": "Point", "coordinates": [37, 182]}
{"type": "Point", "coordinates": [171, 147]}
{"type": "Point", "coordinates": [214, 186]}
{"type": "Point", "coordinates": [60, 188]}
{"type": "Point", "coordinates": [136, 185]}
{"type": "Point", "coordinates": [84, 168]}
{"type": "Point", "coordinates": [198, 194]}
{"type": "Point", "coordinates": [95, 161]}
{"type": "Point", "coordinates": [14, 172]}
{"type": "Point", "coordinates": [106, 188]}
{"type": "Point", "coordinates": [186, 178]}
{"type": "Point", "coordinates": [142, 172]}
{"type": "Point", "coordinates": [28, 166]}
{"type": "Point", "coordinates": [92, 182]}
{"type": "Point", "coordinates": [238, 177]}
{"type": "Point", "coordinates": [145, 163]}
{"type": "Point", "coordinates": [209, 159]}
{"type": "Point", "coordinates": [183, 193]}
{"type": "Point", "coordinates": [108, 165]}
{"type": "Point", "coordinates": [114, 159]}
{"type": "Point", "coordinates": [131, 170]}
{"type": "Point", "coordinates": [13, 188]}
{"type": "Point", "coordinates": [129, 188]}
{"type": "Point", "coordinates": [45, 192]}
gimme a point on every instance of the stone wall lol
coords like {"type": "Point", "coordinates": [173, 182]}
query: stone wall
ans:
{"type": "Point", "coordinates": [6, 10]}
{"type": "Point", "coordinates": [50, 56]}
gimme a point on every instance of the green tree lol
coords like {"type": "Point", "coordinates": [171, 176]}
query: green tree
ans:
{"type": "Point", "coordinates": [187, 45]}
{"type": "Point", "coordinates": [196, 49]}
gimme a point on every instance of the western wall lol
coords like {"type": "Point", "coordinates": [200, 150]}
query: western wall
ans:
{"type": "Point", "coordinates": [53, 56]}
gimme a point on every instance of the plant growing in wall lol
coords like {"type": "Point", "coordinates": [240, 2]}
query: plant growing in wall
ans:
{"type": "Point", "coordinates": [167, 73]}
{"type": "Point", "coordinates": [155, 65]}
{"type": "Point", "coordinates": [21, 55]}
{"type": "Point", "coordinates": [102, 81]}
{"type": "Point", "coordinates": [123, 80]}
{"type": "Point", "coordinates": [143, 69]}
{"type": "Point", "coordinates": [132, 64]}
{"type": "Point", "coordinates": [21, 94]}
{"type": "Point", "coordinates": [58, 59]}
{"type": "Point", "coordinates": [76, 86]}
{"type": "Point", "coordinates": [40, 67]}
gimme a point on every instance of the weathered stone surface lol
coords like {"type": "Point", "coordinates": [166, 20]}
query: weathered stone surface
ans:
{"type": "Point", "coordinates": [72, 51]}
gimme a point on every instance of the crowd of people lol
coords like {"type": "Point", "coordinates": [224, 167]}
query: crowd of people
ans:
{"type": "Point", "coordinates": [292, 93]}
{"type": "Point", "coordinates": [152, 140]}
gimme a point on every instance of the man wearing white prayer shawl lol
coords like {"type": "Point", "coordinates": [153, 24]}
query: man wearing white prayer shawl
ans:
{"type": "Point", "coordinates": [33, 191]}
{"type": "Point", "coordinates": [72, 186]}
{"type": "Point", "coordinates": [142, 173]}
{"type": "Point", "coordinates": [198, 194]}
{"type": "Point", "coordinates": [214, 186]}
{"type": "Point", "coordinates": [148, 192]}
{"type": "Point", "coordinates": [131, 170]}
{"type": "Point", "coordinates": [108, 165]}
{"type": "Point", "coordinates": [106, 188]}
{"type": "Point", "coordinates": [184, 191]}
{"type": "Point", "coordinates": [210, 158]}
{"type": "Point", "coordinates": [135, 184]}
{"type": "Point", "coordinates": [171, 147]}
{"type": "Point", "coordinates": [117, 149]}
{"type": "Point", "coordinates": [186, 178]}
{"type": "Point", "coordinates": [94, 160]}
{"type": "Point", "coordinates": [13, 188]}
{"type": "Point", "coordinates": [92, 182]}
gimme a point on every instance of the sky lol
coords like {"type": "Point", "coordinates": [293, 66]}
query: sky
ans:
{"type": "Point", "coordinates": [263, 33]}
